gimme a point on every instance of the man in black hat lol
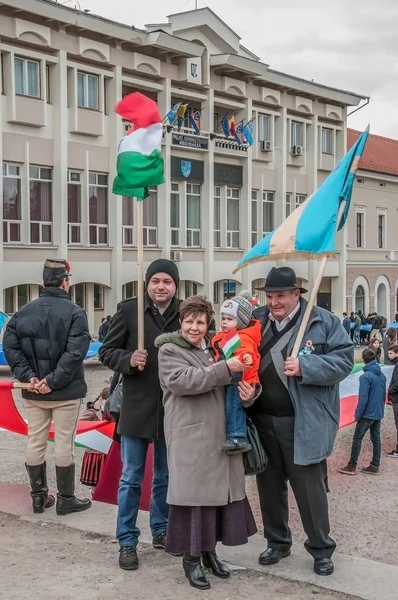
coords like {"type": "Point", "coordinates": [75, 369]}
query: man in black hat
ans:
{"type": "Point", "coordinates": [45, 344]}
{"type": "Point", "coordinates": [297, 416]}
{"type": "Point", "coordinates": [141, 416]}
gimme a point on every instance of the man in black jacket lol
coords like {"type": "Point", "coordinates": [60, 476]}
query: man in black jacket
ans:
{"type": "Point", "coordinates": [141, 415]}
{"type": "Point", "coordinates": [45, 344]}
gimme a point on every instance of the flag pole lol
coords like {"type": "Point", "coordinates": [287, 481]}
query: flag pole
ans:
{"type": "Point", "coordinates": [314, 293]}
{"type": "Point", "coordinates": [140, 275]}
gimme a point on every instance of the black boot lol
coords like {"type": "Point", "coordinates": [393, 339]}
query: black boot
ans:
{"type": "Point", "coordinates": [194, 572]}
{"type": "Point", "coordinates": [38, 483]}
{"type": "Point", "coordinates": [218, 568]}
{"type": "Point", "coordinates": [66, 501]}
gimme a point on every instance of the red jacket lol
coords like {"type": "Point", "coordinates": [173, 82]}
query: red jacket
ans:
{"type": "Point", "coordinates": [250, 341]}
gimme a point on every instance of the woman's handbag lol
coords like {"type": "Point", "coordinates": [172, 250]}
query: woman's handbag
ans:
{"type": "Point", "coordinates": [255, 460]}
{"type": "Point", "coordinates": [114, 401]}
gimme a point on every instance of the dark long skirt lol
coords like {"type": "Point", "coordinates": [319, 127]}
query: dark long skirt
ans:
{"type": "Point", "coordinates": [196, 529]}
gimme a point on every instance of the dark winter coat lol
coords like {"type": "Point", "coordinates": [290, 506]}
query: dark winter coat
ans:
{"type": "Point", "coordinates": [372, 393]}
{"type": "Point", "coordinates": [393, 387]}
{"type": "Point", "coordinates": [142, 411]}
{"type": "Point", "coordinates": [49, 337]}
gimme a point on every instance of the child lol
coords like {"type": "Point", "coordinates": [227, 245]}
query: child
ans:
{"type": "Point", "coordinates": [375, 345]}
{"type": "Point", "coordinates": [393, 392]}
{"type": "Point", "coordinates": [368, 414]}
{"type": "Point", "coordinates": [93, 461]}
{"type": "Point", "coordinates": [240, 336]}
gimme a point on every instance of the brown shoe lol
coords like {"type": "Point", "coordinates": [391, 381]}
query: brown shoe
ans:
{"type": "Point", "coordinates": [348, 470]}
{"type": "Point", "coordinates": [371, 470]}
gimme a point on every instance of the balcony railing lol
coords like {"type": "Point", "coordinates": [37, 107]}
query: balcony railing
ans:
{"type": "Point", "coordinates": [227, 144]}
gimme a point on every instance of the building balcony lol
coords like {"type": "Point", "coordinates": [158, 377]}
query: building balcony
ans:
{"type": "Point", "coordinates": [25, 110]}
{"type": "Point", "coordinates": [85, 121]}
{"type": "Point", "coordinates": [227, 146]}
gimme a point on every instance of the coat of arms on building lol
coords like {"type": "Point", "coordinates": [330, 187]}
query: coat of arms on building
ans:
{"type": "Point", "coordinates": [186, 167]}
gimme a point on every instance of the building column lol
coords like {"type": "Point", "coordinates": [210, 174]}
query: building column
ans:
{"type": "Point", "coordinates": [60, 168]}
{"type": "Point", "coordinates": [207, 202]}
{"type": "Point", "coordinates": [280, 152]}
{"type": "Point", "coordinates": [1, 233]}
{"type": "Point", "coordinates": [164, 191]}
{"type": "Point", "coordinates": [90, 307]}
{"type": "Point", "coordinates": [339, 284]}
{"type": "Point", "coordinates": [115, 202]}
{"type": "Point", "coordinates": [245, 216]}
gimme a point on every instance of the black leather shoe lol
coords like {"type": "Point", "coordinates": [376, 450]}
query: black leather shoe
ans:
{"type": "Point", "coordinates": [218, 568]}
{"type": "Point", "coordinates": [323, 566]}
{"type": "Point", "coordinates": [128, 559]}
{"type": "Point", "coordinates": [194, 572]}
{"type": "Point", "coordinates": [272, 556]}
{"type": "Point", "coordinates": [41, 499]}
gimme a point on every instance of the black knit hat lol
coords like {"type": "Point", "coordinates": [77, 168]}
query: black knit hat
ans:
{"type": "Point", "coordinates": [55, 269]}
{"type": "Point", "coordinates": [162, 265]}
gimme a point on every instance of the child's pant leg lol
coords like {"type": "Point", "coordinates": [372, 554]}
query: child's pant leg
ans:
{"type": "Point", "coordinates": [235, 413]}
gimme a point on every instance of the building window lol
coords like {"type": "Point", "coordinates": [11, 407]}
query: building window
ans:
{"type": "Point", "coordinates": [290, 205]}
{"type": "Point", "coordinates": [74, 207]}
{"type": "Point", "coordinates": [233, 207]}
{"type": "Point", "coordinates": [254, 238]}
{"type": "Point", "coordinates": [217, 217]}
{"type": "Point", "coordinates": [151, 219]}
{"type": "Point", "coordinates": [40, 193]}
{"type": "Point", "coordinates": [360, 299]}
{"type": "Point", "coordinates": [264, 128]}
{"type": "Point", "coordinates": [129, 290]}
{"type": "Point", "coordinates": [175, 214]}
{"type": "Point", "coordinates": [360, 229]}
{"type": "Point", "coordinates": [297, 133]}
{"type": "Point", "coordinates": [268, 212]}
{"type": "Point", "coordinates": [77, 293]}
{"type": "Point", "coordinates": [16, 297]}
{"type": "Point", "coordinates": [87, 91]}
{"type": "Point", "coordinates": [193, 215]}
{"type": "Point", "coordinates": [98, 209]}
{"type": "Point", "coordinates": [327, 140]}
{"type": "Point", "coordinates": [381, 230]}
{"type": "Point", "coordinates": [98, 296]}
{"type": "Point", "coordinates": [215, 292]}
{"type": "Point", "coordinates": [27, 77]}
{"type": "Point", "coordinates": [11, 203]}
{"type": "Point", "coordinates": [128, 220]}
{"type": "Point", "coordinates": [191, 289]}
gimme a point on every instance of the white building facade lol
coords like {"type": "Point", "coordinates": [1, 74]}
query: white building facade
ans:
{"type": "Point", "coordinates": [63, 71]}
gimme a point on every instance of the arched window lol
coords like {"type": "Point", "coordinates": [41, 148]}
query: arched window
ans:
{"type": "Point", "coordinates": [360, 299]}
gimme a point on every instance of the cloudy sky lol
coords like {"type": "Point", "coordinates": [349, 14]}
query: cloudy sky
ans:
{"type": "Point", "coordinates": [348, 44]}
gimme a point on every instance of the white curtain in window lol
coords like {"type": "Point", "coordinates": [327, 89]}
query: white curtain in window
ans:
{"type": "Point", "coordinates": [193, 212]}
{"type": "Point", "coordinates": [150, 210]}
{"type": "Point", "coordinates": [232, 214]}
{"type": "Point", "coordinates": [92, 92]}
{"type": "Point", "coordinates": [80, 89]}
{"type": "Point", "coordinates": [19, 69]}
{"type": "Point", "coordinates": [33, 79]}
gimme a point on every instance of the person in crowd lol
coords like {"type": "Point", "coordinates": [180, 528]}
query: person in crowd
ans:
{"type": "Point", "coordinates": [376, 326]}
{"type": "Point", "coordinates": [93, 460]}
{"type": "Point", "coordinates": [368, 414]}
{"type": "Point", "coordinates": [347, 323]}
{"type": "Point", "coordinates": [357, 330]}
{"type": "Point", "coordinates": [363, 334]}
{"type": "Point", "coordinates": [297, 416]}
{"type": "Point", "coordinates": [393, 393]}
{"type": "Point", "coordinates": [390, 340]}
{"type": "Point", "coordinates": [352, 319]}
{"type": "Point", "coordinates": [141, 416]}
{"type": "Point", "coordinates": [206, 491]}
{"type": "Point", "coordinates": [375, 345]}
{"type": "Point", "coordinates": [242, 335]}
{"type": "Point", "coordinates": [45, 344]}
{"type": "Point", "coordinates": [103, 330]}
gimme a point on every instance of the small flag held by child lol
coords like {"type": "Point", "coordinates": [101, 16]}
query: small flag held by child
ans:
{"type": "Point", "coordinates": [230, 344]}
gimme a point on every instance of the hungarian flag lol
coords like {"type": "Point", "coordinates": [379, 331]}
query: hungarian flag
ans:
{"type": "Point", "coordinates": [230, 344]}
{"type": "Point", "coordinates": [139, 162]}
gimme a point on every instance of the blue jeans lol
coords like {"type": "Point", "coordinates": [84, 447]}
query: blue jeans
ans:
{"type": "Point", "coordinates": [134, 452]}
{"type": "Point", "coordinates": [363, 425]}
{"type": "Point", "coordinates": [235, 413]}
{"type": "Point", "coordinates": [357, 337]}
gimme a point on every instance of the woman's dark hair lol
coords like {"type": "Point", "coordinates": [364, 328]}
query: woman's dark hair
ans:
{"type": "Point", "coordinates": [391, 333]}
{"type": "Point", "coordinates": [194, 306]}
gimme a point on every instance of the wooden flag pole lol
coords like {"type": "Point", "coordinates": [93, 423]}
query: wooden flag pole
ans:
{"type": "Point", "coordinates": [140, 275]}
{"type": "Point", "coordinates": [314, 293]}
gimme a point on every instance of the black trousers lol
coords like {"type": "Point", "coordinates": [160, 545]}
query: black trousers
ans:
{"type": "Point", "coordinates": [308, 485]}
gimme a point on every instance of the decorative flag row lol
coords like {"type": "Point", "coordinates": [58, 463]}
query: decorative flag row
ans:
{"type": "Point", "coordinates": [178, 113]}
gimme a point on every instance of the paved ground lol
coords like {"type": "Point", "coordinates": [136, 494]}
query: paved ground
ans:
{"type": "Point", "coordinates": [46, 561]}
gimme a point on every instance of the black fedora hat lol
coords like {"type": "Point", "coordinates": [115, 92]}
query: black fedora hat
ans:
{"type": "Point", "coordinates": [280, 279]}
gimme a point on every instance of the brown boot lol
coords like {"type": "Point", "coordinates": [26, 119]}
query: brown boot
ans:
{"type": "Point", "coordinates": [348, 470]}
{"type": "Point", "coordinates": [371, 470]}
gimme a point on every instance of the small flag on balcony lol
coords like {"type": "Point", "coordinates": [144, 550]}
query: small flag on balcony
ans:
{"type": "Point", "coordinates": [230, 344]}
{"type": "Point", "coordinates": [181, 115]}
{"type": "Point", "coordinates": [238, 135]}
{"type": "Point", "coordinates": [248, 133]}
{"type": "Point", "coordinates": [195, 121]}
{"type": "Point", "coordinates": [172, 114]}
{"type": "Point", "coordinates": [139, 161]}
{"type": "Point", "coordinates": [232, 126]}
{"type": "Point", "coordinates": [225, 125]}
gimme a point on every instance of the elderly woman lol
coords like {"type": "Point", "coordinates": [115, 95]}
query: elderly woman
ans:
{"type": "Point", "coordinates": [206, 490]}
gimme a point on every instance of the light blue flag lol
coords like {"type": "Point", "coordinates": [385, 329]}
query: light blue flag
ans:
{"type": "Point", "coordinates": [248, 133]}
{"type": "Point", "coordinates": [310, 231]}
{"type": "Point", "coordinates": [3, 319]}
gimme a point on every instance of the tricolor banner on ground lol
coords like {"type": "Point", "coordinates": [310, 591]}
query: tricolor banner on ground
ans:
{"type": "Point", "coordinates": [97, 435]}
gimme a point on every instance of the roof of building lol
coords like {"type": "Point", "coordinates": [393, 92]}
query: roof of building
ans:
{"type": "Point", "coordinates": [380, 155]}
